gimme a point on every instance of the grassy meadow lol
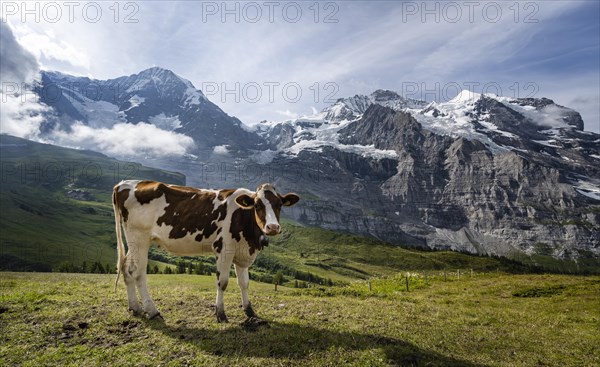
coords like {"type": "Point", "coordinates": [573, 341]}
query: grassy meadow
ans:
{"type": "Point", "coordinates": [490, 319]}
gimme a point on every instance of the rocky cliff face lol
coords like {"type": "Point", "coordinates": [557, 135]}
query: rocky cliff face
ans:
{"type": "Point", "coordinates": [483, 174]}
{"type": "Point", "coordinates": [480, 173]}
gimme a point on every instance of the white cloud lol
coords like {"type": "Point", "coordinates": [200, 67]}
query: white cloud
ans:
{"type": "Point", "coordinates": [18, 65]}
{"type": "Point", "coordinates": [550, 116]}
{"type": "Point", "coordinates": [20, 112]}
{"type": "Point", "coordinates": [47, 48]}
{"type": "Point", "coordinates": [21, 116]}
{"type": "Point", "coordinates": [221, 150]}
{"type": "Point", "coordinates": [288, 114]}
{"type": "Point", "coordinates": [124, 140]}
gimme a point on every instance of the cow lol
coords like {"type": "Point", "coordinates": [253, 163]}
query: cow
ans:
{"type": "Point", "coordinates": [233, 224]}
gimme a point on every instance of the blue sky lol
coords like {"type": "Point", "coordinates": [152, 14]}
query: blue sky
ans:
{"type": "Point", "coordinates": [551, 49]}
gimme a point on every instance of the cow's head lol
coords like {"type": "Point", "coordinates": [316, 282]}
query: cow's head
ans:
{"type": "Point", "coordinates": [267, 203]}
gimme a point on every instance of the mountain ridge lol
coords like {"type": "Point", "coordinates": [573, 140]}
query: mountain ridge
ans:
{"type": "Point", "coordinates": [479, 173]}
{"type": "Point", "coordinates": [156, 96]}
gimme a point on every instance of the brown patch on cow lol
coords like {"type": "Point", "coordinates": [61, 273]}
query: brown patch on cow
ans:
{"type": "Point", "coordinates": [218, 245]}
{"type": "Point", "coordinates": [119, 198]}
{"type": "Point", "coordinates": [243, 223]}
{"type": "Point", "coordinates": [190, 210]}
{"type": "Point", "coordinates": [224, 194]}
{"type": "Point", "coordinates": [146, 191]}
{"type": "Point", "coordinates": [260, 211]}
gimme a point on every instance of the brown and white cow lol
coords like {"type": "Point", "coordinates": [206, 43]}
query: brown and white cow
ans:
{"type": "Point", "coordinates": [185, 221]}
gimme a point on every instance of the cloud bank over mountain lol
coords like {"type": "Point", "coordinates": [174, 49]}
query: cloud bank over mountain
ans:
{"type": "Point", "coordinates": [23, 115]}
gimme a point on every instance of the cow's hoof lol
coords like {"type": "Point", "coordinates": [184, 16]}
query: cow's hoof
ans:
{"type": "Point", "coordinates": [249, 312]}
{"type": "Point", "coordinates": [157, 316]}
{"type": "Point", "coordinates": [136, 312]}
{"type": "Point", "coordinates": [221, 317]}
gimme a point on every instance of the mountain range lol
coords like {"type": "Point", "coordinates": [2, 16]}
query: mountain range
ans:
{"type": "Point", "coordinates": [479, 173]}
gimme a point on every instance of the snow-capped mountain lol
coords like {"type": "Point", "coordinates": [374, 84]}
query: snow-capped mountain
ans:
{"type": "Point", "coordinates": [502, 124]}
{"type": "Point", "coordinates": [353, 107]}
{"type": "Point", "coordinates": [156, 96]}
{"type": "Point", "coordinates": [481, 173]}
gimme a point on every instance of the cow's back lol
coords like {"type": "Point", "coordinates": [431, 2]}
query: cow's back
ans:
{"type": "Point", "coordinates": [183, 220]}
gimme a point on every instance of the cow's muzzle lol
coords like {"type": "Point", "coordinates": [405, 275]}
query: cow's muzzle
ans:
{"type": "Point", "coordinates": [272, 229]}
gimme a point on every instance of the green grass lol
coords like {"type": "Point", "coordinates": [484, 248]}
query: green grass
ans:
{"type": "Point", "coordinates": [77, 320]}
{"type": "Point", "coordinates": [345, 257]}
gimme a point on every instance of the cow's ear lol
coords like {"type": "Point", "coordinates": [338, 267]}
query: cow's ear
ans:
{"type": "Point", "coordinates": [245, 201]}
{"type": "Point", "coordinates": [289, 199]}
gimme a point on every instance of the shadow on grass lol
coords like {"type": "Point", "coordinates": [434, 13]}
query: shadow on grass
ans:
{"type": "Point", "coordinates": [281, 340]}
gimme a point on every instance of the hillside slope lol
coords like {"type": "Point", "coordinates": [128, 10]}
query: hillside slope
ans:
{"type": "Point", "coordinates": [55, 204]}
{"type": "Point", "coordinates": [343, 257]}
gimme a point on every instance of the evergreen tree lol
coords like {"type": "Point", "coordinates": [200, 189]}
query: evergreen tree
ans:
{"type": "Point", "coordinates": [180, 267]}
{"type": "Point", "coordinates": [65, 267]}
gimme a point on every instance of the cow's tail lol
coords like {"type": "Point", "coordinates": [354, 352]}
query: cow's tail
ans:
{"type": "Point", "coordinates": [120, 245]}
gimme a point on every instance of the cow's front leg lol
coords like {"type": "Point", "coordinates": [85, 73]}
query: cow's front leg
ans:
{"type": "Point", "coordinates": [223, 266]}
{"type": "Point", "coordinates": [243, 280]}
{"type": "Point", "coordinates": [147, 302]}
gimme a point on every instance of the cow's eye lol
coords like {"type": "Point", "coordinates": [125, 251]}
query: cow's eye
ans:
{"type": "Point", "coordinates": [259, 205]}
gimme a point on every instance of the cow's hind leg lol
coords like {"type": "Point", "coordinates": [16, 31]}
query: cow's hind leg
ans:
{"type": "Point", "coordinates": [243, 280]}
{"type": "Point", "coordinates": [135, 275]}
{"type": "Point", "coordinates": [223, 266]}
{"type": "Point", "coordinates": [130, 267]}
